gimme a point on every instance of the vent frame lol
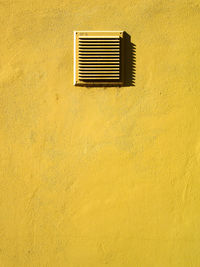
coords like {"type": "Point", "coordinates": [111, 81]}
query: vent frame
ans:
{"type": "Point", "coordinates": [117, 54]}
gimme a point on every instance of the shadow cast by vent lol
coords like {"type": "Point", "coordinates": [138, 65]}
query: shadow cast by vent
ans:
{"type": "Point", "coordinates": [129, 61]}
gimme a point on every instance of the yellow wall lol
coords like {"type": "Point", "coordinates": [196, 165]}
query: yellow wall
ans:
{"type": "Point", "coordinates": [93, 177]}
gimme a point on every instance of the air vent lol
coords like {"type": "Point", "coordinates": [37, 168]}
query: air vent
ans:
{"type": "Point", "coordinates": [98, 58]}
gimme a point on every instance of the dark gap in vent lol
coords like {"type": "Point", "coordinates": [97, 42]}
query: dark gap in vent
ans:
{"type": "Point", "coordinates": [103, 60]}
{"type": "Point", "coordinates": [99, 80]}
{"type": "Point", "coordinates": [99, 42]}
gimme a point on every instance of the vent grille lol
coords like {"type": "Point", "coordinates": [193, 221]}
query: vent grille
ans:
{"type": "Point", "coordinates": [98, 58]}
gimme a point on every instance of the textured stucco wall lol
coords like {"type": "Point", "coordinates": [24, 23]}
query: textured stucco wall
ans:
{"type": "Point", "coordinates": [100, 176]}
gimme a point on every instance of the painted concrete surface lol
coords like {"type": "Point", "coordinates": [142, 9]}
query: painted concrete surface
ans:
{"type": "Point", "coordinates": [93, 177]}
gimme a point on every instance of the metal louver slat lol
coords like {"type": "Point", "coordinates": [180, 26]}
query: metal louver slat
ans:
{"type": "Point", "coordinates": [100, 78]}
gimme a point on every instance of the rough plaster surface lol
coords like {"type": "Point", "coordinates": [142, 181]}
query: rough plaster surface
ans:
{"type": "Point", "coordinates": [100, 176]}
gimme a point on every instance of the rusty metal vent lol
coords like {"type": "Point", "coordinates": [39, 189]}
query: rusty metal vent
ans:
{"type": "Point", "coordinates": [98, 58]}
